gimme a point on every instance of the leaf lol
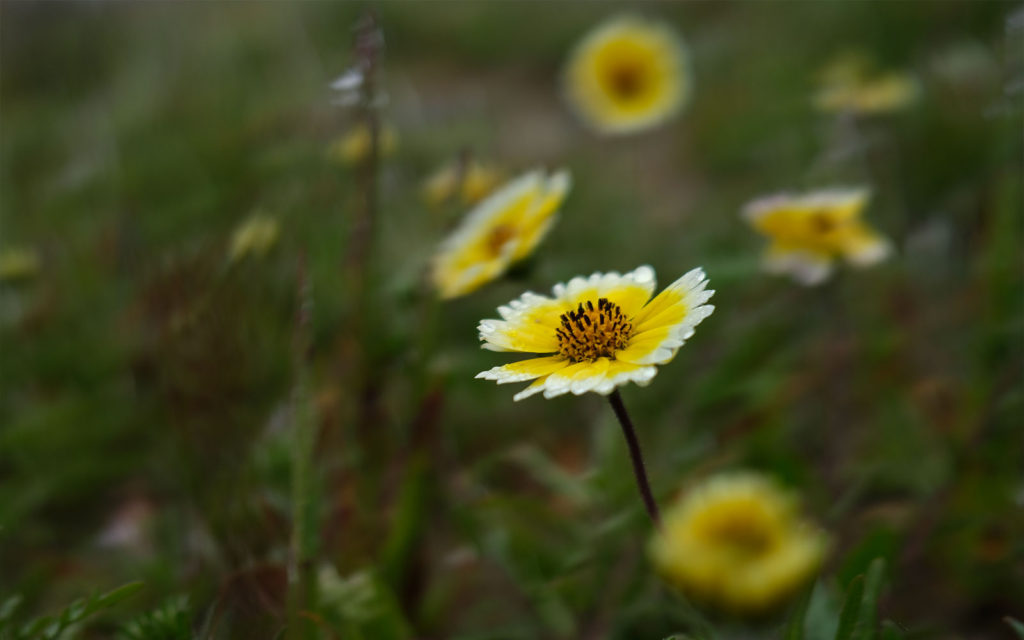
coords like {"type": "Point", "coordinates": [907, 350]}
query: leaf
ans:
{"type": "Point", "coordinates": [52, 627]}
{"type": "Point", "coordinates": [795, 625]}
{"type": "Point", "coordinates": [857, 619]}
{"type": "Point", "coordinates": [851, 609]}
{"type": "Point", "coordinates": [1016, 625]}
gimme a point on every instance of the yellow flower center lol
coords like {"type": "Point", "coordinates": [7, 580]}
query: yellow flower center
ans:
{"type": "Point", "coordinates": [743, 532]}
{"type": "Point", "coordinates": [822, 223]}
{"type": "Point", "coordinates": [626, 81]}
{"type": "Point", "coordinates": [591, 332]}
{"type": "Point", "coordinates": [498, 237]}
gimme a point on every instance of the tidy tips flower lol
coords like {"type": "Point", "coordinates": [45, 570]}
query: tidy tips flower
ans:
{"type": "Point", "coordinates": [737, 542]}
{"type": "Point", "coordinates": [354, 146]}
{"type": "Point", "coordinates": [254, 237]}
{"type": "Point", "coordinates": [603, 331]}
{"type": "Point", "coordinates": [503, 229]}
{"type": "Point", "coordinates": [627, 75]}
{"type": "Point", "coordinates": [470, 183]}
{"type": "Point", "coordinates": [848, 84]}
{"type": "Point", "coordinates": [808, 232]}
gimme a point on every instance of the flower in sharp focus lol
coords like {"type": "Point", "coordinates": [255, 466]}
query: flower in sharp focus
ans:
{"type": "Point", "coordinates": [849, 84]}
{"type": "Point", "coordinates": [354, 146]}
{"type": "Point", "coordinates": [808, 232]}
{"type": "Point", "coordinates": [737, 542]}
{"type": "Point", "coordinates": [501, 230]}
{"type": "Point", "coordinates": [627, 75]}
{"type": "Point", "coordinates": [467, 183]}
{"type": "Point", "coordinates": [254, 237]}
{"type": "Point", "coordinates": [603, 331]}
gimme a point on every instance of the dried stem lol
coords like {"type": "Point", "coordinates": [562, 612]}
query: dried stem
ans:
{"type": "Point", "coordinates": [636, 456]}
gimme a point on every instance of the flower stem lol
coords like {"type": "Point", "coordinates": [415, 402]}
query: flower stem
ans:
{"type": "Point", "coordinates": [636, 456]}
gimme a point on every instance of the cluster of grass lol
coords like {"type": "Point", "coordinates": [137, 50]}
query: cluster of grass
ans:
{"type": "Point", "coordinates": [147, 387]}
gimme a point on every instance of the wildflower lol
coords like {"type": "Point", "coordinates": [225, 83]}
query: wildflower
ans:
{"type": "Point", "coordinates": [254, 237]}
{"type": "Point", "coordinates": [627, 75]}
{"type": "Point", "coordinates": [603, 331]}
{"type": "Point", "coordinates": [850, 85]}
{"type": "Point", "coordinates": [737, 542]}
{"type": "Point", "coordinates": [501, 230]}
{"type": "Point", "coordinates": [18, 264]}
{"type": "Point", "coordinates": [471, 182]}
{"type": "Point", "coordinates": [809, 231]}
{"type": "Point", "coordinates": [353, 147]}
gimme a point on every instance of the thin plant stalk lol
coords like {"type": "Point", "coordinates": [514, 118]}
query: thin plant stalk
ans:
{"type": "Point", "coordinates": [635, 455]}
{"type": "Point", "coordinates": [301, 583]}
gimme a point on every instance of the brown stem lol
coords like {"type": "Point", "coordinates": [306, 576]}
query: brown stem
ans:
{"type": "Point", "coordinates": [638, 459]}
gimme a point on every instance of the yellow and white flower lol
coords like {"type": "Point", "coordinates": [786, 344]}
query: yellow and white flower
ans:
{"type": "Point", "coordinates": [848, 84]}
{"type": "Point", "coordinates": [503, 229]}
{"type": "Point", "coordinates": [627, 75]}
{"type": "Point", "coordinates": [808, 232]}
{"type": "Point", "coordinates": [737, 542]}
{"type": "Point", "coordinates": [353, 147]}
{"type": "Point", "coordinates": [254, 237]}
{"type": "Point", "coordinates": [602, 331]}
{"type": "Point", "coordinates": [470, 183]}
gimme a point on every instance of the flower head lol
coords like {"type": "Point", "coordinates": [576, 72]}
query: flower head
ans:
{"type": "Point", "coordinates": [501, 230]}
{"type": "Point", "coordinates": [254, 237]}
{"type": "Point", "coordinates": [354, 146]}
{"type": "Point", "coordinates": [603, 331]}
{"type": "Point", "coordinates": [469, 183]}
{"type": "Point", "coordinates": [848, 83]}
{"type": "Point", "coordinates": [18, 264]}
{"type": "Point", "coordinates": [627, 75]}
{"type": "Point", "coordinates": [809, 231]}
{"type": "Point", "coordinates": [737, 542]}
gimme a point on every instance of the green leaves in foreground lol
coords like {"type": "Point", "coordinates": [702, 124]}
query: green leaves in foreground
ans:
{"type": "Point", "coordinates": [52, 627]}
{"type": "Point", "coordinates": [860, 609]}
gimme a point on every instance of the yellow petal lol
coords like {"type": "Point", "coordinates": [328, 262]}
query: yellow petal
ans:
{"type": "Point", "coordinates": [525, 369]}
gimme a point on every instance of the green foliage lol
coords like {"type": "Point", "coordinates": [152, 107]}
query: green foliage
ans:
{"type": "Point", "coordinates": [53, 626]}
{"type": "Point", "coordinates": [857, 621]}
{"type": "Point", "coordinates": [170, 621]}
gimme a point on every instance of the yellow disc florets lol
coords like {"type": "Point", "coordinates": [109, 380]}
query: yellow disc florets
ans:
{"type": "Point", "coordinates": [591, 332]}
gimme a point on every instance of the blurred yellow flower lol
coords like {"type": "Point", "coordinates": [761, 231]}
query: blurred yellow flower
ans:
{"type": "Point", "coordinates": [809, 231]}
{"type": "Point", "coordinates": [254, 237]}
{"type": "Point", "coordinates": [848, 84]}
{"type": "Point", "coordinates": [737, 542]}
{"type": "Point", "coordinates": [18, 263]}
{"type": "Point", "coordinates": [628, 74]}
{"type": "Point", "coordinates": [501, 230]}
{"type": "Point", "coordinates": [604, 331]}
{"type": "Point", "coordinates": [471, 183]}
{"type": "Point", "coordinates": [353, 147]}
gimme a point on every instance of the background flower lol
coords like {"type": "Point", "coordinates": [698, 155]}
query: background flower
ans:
{"type": "Point", "coordinates": [627, 75]}
{"type": "Point", "coordinates": [501, 230]}
{"type": "Point", "coordinates": [737, 542]}
{"type": "Point", "coordinates": [808, 232]}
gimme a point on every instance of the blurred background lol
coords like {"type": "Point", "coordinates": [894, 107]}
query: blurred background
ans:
{"type": "Point", "coordinates": [150, 360]}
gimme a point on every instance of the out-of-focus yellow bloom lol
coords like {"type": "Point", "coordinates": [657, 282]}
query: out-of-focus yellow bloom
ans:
{"type": "Point", "coordinates": [808, 232]}
{"type": "Point", "coordinates": [18, 263]}
{"type": "Point", "coordinates": [604, 331]}
{"type": "Point", "coordinates": [254, 237]}
{"type": "Point", "coordinates": [627, 75]}
{"type": "Point", "coordinates": [848, 84]}
{"type": "Point", "coordinates": [354, 146]}
{"type": "Point", "coordinates": [501, 230]}
{"type": "Point", "coordinates": [471, 183]}
{"type": "Point", "coordinates": [737, 542]}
